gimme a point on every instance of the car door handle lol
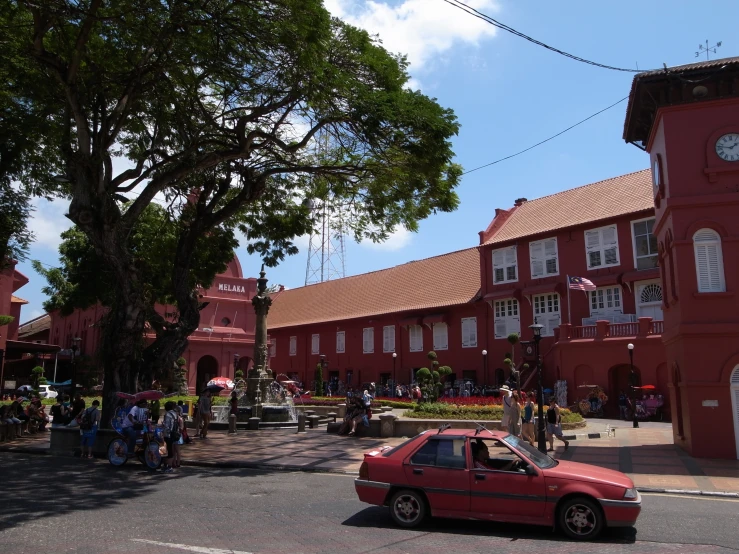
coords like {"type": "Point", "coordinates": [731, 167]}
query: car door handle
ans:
{"type": "Point", "coordinates": [479, 476]}
{"type": "Point", "coordinates": [417, 471]}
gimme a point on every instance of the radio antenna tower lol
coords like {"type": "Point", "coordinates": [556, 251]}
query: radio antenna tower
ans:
{"type": "Point", "coordinates": [326, 250]}
{"type": "Point", "coordinates": [326, 253]}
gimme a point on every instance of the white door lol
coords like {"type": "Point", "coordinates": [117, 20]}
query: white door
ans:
{"type": "Point", "coordinates": [735, 406]}
{"type": "Point", "coordinates": [649, 300]}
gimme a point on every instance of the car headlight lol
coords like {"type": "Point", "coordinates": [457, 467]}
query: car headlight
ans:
{"type": "Point", "coordinates": [630, 493]}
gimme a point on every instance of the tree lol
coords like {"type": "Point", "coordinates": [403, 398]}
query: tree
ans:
{"type": "Point", "coordinates": [224, 101]}
{"type": "Point", "coordinates": [6, 319]}
{"type": "Point", "coordinates": [37, 378]}
{"type": "Point", "coordinates": [180, 376]}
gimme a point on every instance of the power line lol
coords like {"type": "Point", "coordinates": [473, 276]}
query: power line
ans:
{"type": "Point", "coordinates": [495, 23]}
{"type": "Point", "coordinates": [547, 139]}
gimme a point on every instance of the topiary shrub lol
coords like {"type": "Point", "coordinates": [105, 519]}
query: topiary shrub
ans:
{"type": "Point", "coordinates": [319, 379]}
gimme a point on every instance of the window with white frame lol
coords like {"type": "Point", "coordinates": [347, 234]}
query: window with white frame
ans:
{"type": "Point", "coordinates": [340, 342]}
{"type": "Point", "coordinates": [273, 348]}
{"type": "Point", "coordinates": [505, 266]}
{"type": "Point", "coordinates": [709, 262]}
{"type": "Point", "coordinates": [645, 244]}
{"type": "Point", "coordinates": [507, 319]}
{"type": "Point", "coordinates": [315, 344]}
{"type": "Point", "coordinates": [441, 336]}
{"type": "Point", "coordinates": [388, 338]}
{"type": "Point", "coordinates": [293, 346]}
{"type": "Point", "coordinates": [469, 332]}
{"type": "Point", "coordinates": [546, 312]}
{"type": "Point", "coordinates": [605, 300]}
{"type": "Point", "coordinates": [415, 338]}
{"type": "Point", "coordinates": [601, 247]}
{"type": "Point", "coordinates": [543, 258]}
{"type": "Point", "coordinates": [368, 340]}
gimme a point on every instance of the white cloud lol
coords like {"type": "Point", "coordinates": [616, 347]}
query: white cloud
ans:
{"type": "Point", "coordinates": [421, 29]}
{"type": "Point", "coordinates": [396, 241]}
{"type": "Point", "coordinates": [48, 222]}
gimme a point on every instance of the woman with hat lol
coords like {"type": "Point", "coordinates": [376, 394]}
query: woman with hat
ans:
{"type": "Point", "coordinates": [507, 404]}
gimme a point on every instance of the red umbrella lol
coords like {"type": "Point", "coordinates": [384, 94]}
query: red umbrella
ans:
{"type": "Point", "coordinates": [125, 395]}
{"type": "Point", "coordinates": [646, 387]}
{"type": "Point", "coordinates": [223, 382]}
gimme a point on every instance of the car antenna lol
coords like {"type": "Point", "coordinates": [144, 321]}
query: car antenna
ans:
{"type": "Point", "coordinates": [481, 428]}
{"type": "Point", "coordinates": [444, 427]}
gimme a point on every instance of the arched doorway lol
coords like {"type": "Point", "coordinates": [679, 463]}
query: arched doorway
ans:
{"type": "Point", "coordinates": [207, 369]}
{"type": "Point", "coordinates": [735, 406]}
{"type": "Point", "coordinates": [619, 379]}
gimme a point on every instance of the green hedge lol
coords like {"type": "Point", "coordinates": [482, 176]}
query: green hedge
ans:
{"type": "Point", "coordinates": [440, 410]}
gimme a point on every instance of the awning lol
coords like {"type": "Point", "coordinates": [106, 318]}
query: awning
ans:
{"type": "Point", "coordinates": [505, 293]}
{"type": "Point", "coordinates": [643, 275]}
{"type": "Point", "coordinates": [603, 280]}
{"type": "Point", "coordinates": [415, 320]}
{"type": "Point", "coordinates": [32, 347]}
{"type": "Point", "coordinates": [543, 289]}
{"type": "Point", "coordinates": [434, 318]}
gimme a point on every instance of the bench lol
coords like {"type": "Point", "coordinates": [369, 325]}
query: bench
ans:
{"type": "Point", "coordinates": [313, 421]}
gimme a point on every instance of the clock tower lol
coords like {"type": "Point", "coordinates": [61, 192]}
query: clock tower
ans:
{"type": "Point", "coordinates": [687, 119]}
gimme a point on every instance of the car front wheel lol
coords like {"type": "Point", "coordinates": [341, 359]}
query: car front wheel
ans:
{"type": "Point", "coordinates": [408, 508]}
{"type": "Point", "coordinates": [580, 518]}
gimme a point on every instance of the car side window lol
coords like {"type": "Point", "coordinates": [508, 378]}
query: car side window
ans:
{"type": "Point", "coordinates": [441, 453]}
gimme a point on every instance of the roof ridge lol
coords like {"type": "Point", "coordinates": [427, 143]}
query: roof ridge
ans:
{"type": "Point", "coordinates": [388, 268]}
{"type": "Point", "coordinates": [585, 186]}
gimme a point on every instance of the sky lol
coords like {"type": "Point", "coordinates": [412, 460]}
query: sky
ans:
{"type": "Point", "coordinates": [508, 94]}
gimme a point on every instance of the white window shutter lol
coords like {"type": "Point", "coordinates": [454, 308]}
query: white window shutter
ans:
{"type": "Point", "coordinates": [550, 256]}
{"type": "Point", "coordinates": [592, 240]}
{"type": "Point", "coordinates": [500, 329]}
{"type": "Point", "coordinates": [293, 346]}
{"type": "Point", "coordinates": [513, 325]}
{"type": "Point", "coordinates": [536, 254]}
{"type": "Point", "coordinates": [510, 256]}
{"type": "Point", "coordinates": [441, 336]}
{"type": "Point", "coordinates": [315, 344]}
{"type": "Point", "coordinates": [469, 338]}
{"type": "Point", "coordinates": [714, 271]}
{"type": "Point", "coordinates": [553, 322]}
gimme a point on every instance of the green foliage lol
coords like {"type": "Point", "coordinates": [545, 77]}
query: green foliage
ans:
{"type": "Point", "coordinates": [513, 339]}
{"type": "Point", "coordinates": [508, 362]}
{"type": "Point", "coordinates": [429, 383]}
{"type": "Point", "coordinates": [83, 278]}
{"type": "Point", "coordinates": [445, 370]}
{"type": "Point", "coordinates": [432, 355]}
{"type": "Point", "coordinates": [181, 361]}
{"type": "Point", "coordinates": [6, 319]}
{"type": "Point", "coordinates": [179, 376]}
{"type": "Point", "coordinates": [319, 379]}
{"type": "Point", "coordinates": [444, 410]}
{"type": "Point", "coordinates": [37, 378]}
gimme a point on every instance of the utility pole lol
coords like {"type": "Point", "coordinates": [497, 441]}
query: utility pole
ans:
{"type": "Point", "coordinates": [707, 49]}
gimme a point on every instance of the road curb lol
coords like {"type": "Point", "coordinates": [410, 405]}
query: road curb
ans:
{"type": "Point", "coordinates": [688, 492]}
{"type": "Point", "coordinates": [583, 436]}
{"type": "Point", "coordinates": [249, 465]}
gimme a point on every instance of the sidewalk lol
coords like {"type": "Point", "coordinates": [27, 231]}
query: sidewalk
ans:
{"type": "Point", "coordinates": [647, 455]}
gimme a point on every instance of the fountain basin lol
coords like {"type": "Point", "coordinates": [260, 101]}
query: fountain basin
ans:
{"type": "Point", "coordinates": [269, 413]}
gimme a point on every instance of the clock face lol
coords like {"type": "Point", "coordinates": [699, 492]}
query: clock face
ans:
{"type": "Point", "coordinates": [727, 147]}
{"type": "Point", "coordinates": [656, 174]}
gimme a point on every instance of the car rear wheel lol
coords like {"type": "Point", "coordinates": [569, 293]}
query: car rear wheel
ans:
{"type": "Point", "coordinates": [408, 508]}
{"type": "Point", "coordinates": [580, 518]}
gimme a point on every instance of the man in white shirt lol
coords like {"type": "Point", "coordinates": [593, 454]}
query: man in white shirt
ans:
{"type": "Point", "coordinates": [132, 424]}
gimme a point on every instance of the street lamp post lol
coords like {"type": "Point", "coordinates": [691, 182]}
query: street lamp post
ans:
{"type": "Point", "coordinates": [485, 368]}
{"type": "Point", "coordinates": [236, 363]}
{"type": "Point", "coordinates": [395, 384]}
{"type": "Point", "coordinates": [632, 377]}
{"type": "Point", "coordinates": [540, 435]}
{"type": "Point", "coordinates": [75, 349]}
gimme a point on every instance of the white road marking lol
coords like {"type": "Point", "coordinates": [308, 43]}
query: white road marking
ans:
{"type": "Point", "coordinates": [201, 549]}
{"type": "Point", "coordinates": [690, 497]}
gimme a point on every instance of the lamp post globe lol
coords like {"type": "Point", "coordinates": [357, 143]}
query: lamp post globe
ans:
{"type": "Point", "coordinates": [632, 380]}
{"type": "Point", "coordinates": [485, 368]}
{"type": "Point", "coordinates": [541, 438]}
{"type": "Point", "coordinates": [395, 384]}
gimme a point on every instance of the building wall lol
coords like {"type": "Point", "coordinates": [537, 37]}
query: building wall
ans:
{"type": "Point", "coordinates": [701, 328]}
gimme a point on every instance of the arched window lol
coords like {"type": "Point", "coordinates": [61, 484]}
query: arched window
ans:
{"type": "Point", "coordinates": [709, 263]}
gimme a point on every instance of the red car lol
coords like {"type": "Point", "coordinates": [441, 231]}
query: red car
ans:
{"type": "Point", "coordinates": [494, 476]}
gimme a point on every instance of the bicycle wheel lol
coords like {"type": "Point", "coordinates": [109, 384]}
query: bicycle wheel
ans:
{"type": "Point", "coordinates": [117, 452]}
{"type": "Point", "coordinates": [152, 457]}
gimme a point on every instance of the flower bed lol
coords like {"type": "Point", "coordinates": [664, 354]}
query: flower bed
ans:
{"type": "Point", "coordinates": [335, 400]}
{"type": "Point", "coordinates": [445, 410]}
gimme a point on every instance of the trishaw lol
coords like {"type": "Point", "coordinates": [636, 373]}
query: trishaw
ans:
{"type": "Point", "coordinates": [649, 406]}
{"type": "Point", "coordinates": [148, 442]}
{"type": "Point", "coordinates": [593, 401]}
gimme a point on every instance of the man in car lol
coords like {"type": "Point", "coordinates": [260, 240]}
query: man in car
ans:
{"type": "Point", "coordinates": [481, 458]}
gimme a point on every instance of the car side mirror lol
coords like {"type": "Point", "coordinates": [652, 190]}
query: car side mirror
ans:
{"type": "Point", "coordinates": [529, 470]}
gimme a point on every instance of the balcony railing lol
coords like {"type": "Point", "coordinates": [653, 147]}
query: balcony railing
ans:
{"type": "Point", "coordinates": [605, 329]}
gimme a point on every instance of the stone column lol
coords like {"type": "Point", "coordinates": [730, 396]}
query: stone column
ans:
{"type": "Point", "coordinates": [259, 376]}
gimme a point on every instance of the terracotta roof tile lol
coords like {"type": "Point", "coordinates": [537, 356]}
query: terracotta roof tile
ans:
{"type": "Point", "coordinates": [598, 201]}
{"type": "Point", "coordinates": [17, 300]}
{"type": "Point", "coordinates": [446, 280]}
{"type": "Point", "coordinates": [36, 325]}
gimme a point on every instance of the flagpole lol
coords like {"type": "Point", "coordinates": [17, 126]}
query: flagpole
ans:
{"type": "Point", "coordinates": [569, 307]}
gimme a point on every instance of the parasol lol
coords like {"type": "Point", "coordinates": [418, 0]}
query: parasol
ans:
{"type": "Point", "coordinates": [223, 382]}
{"type": "Point", "coordinates": [143, 395]}
{"type": "Point", "coordinates": [214, 389]}
{"type": "Point", "coordinates": [646, 387]}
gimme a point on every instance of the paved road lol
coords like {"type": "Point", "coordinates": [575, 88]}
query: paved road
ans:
{"type": "Point", "coordinates": [71, 505]}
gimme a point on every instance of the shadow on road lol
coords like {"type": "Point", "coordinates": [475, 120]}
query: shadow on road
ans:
{"type": "Point", "coordinates": [379, 518]}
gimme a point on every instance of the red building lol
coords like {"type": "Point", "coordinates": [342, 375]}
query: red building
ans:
{"type": "Point", "coordinates": [465, 303]}
{"type": "Point", "coordinates": [687, 119]}
{"type": "Point", "coordinates": [223, 342]}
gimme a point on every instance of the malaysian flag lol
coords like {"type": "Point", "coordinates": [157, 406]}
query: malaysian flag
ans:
{"type": "Point", "coordinates": [580, 283]}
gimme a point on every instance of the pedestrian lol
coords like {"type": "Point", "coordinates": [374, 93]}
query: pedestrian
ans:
{"type": "Point", "coordinates": [78, 406]}
{"type": "Point", "coordinates": [514, 422]}
{"type": "Point", "coordinates": [59, 413]}
{"type": "Point", "coordinates": [554, 425]}
{"type": "Point", "coordinates": [89, 424]}
{"type": "Point", "coordinates": [623, 406]}
{"type": "Point", "coordinates": [204, 411]}
{"type": "Point", "coordinates": [507, 403]}
{"type": "Point", "coordinates": [171, 433]}
{"type": "Point", "coordinates": [527, 430]}
{"type": "Point", "coordinates": [181, 410]}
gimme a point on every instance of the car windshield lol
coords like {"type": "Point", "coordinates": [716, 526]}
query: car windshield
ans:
{"type": "Point", "coordinates": [541, 460]}
{"type": "Point", "coordinates": [393, 450]}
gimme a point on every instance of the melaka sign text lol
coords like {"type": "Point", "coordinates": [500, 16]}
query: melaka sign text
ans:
{"type": "Point", "coordinates": [225, 287]}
